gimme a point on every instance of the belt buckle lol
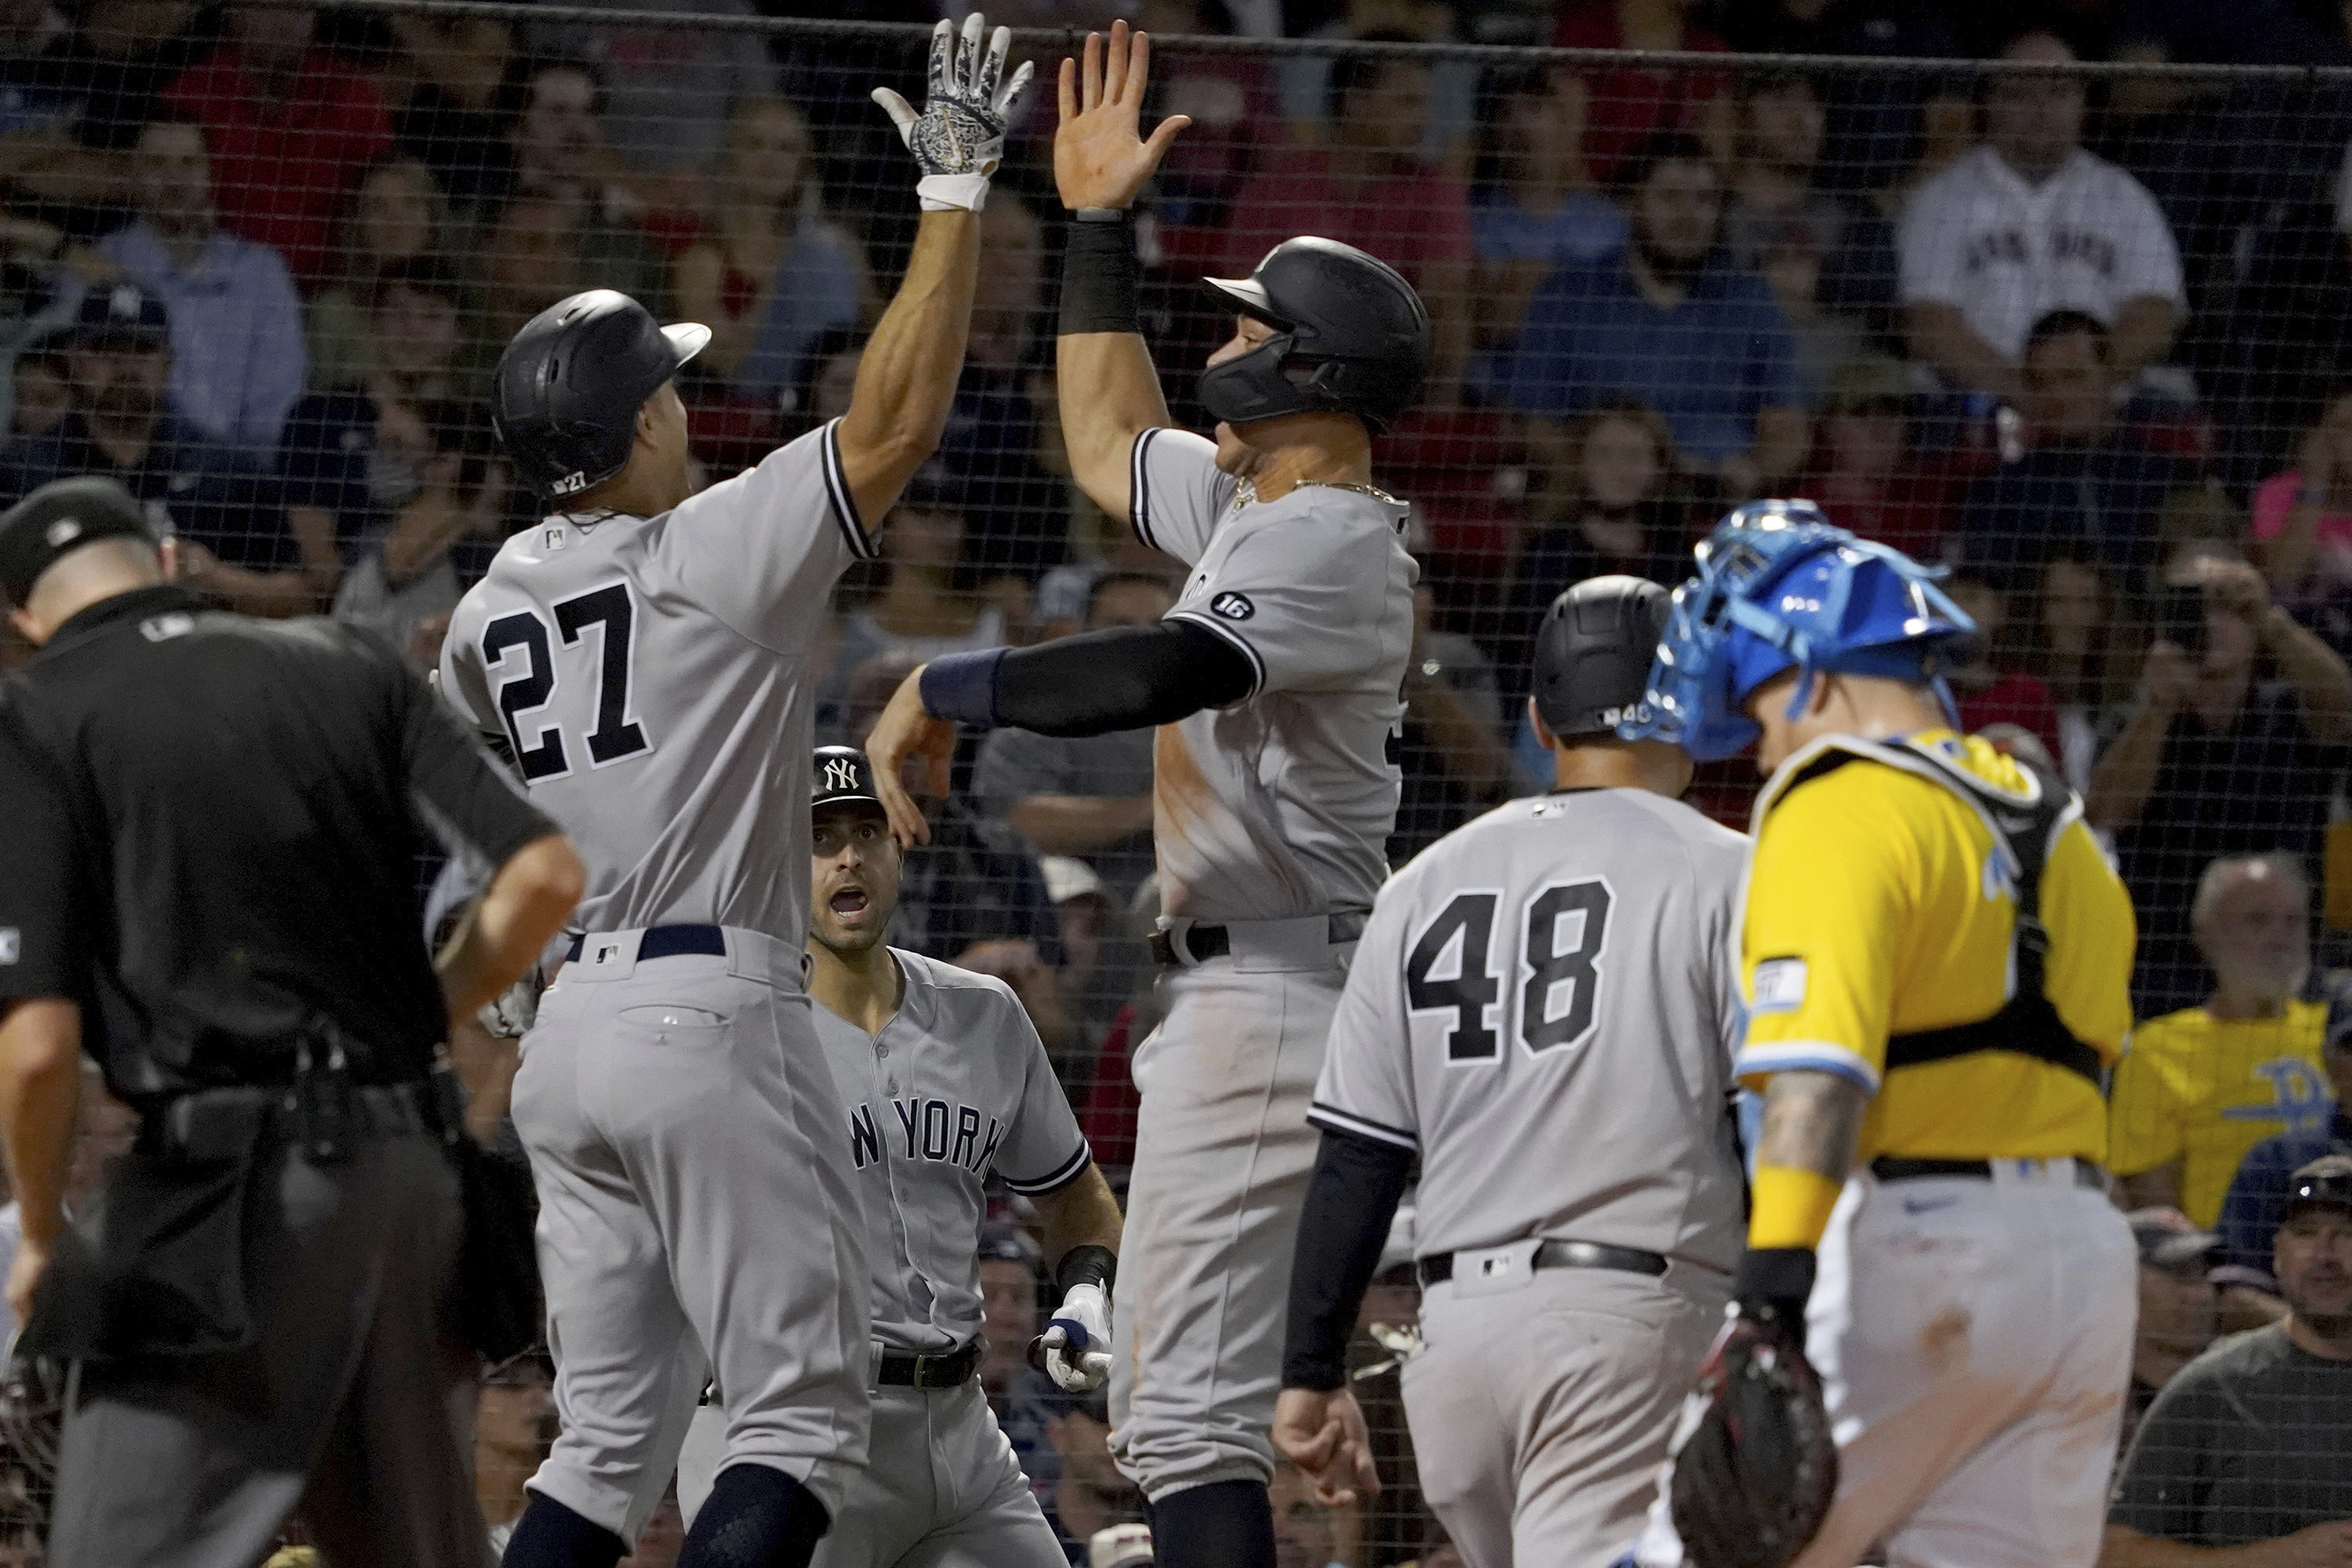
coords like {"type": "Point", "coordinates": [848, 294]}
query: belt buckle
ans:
{"type": "Point", "coordinates": [1495, 1270]}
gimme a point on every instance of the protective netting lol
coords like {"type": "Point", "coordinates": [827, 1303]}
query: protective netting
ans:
{"type": "Point", "coordinates": [2083, 332]}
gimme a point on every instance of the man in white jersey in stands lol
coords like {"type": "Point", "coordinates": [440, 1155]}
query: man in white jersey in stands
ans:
{"type": "Point", "coordinates": [1543, 1011]}
{"type": "Point", "coordinates": [1276, 677]}
{"type": "Point", "coordinates": [643, 657]}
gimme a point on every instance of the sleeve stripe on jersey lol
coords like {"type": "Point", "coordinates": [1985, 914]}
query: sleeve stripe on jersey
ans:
{"type": "Point", "coordinates": [844, 505]}
{"type": "Point", "coordinates": [1338, 1120]}
{"type": "Point", "coordinates": [1139, 487]}
{"type": "Point", "coordinates": [1805, 1055]}
{"type": "Point", "coordinates": [1063, 1174]}
{"type": "Point", "coordinates": [1257, 665]}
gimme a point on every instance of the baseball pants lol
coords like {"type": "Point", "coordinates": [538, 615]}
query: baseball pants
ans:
{"type": "Point", "coordinates": [1223, 1154]}
{"type": "Point", "coordinates": [1974, 1339]}
{"type": "Point", "coordinates": [1540, 1410]}
{"type": "Point", "coordinates": [696, 1215]}
{"type": "Point", "coordinates": [940, 1487]}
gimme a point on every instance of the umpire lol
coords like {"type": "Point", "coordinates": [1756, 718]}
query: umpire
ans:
{"type": "Point", "coordinates": [212, 826]}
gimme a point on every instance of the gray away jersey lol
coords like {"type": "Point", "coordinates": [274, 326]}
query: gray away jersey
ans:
{"type": "Point", "coordinates": [1281, 806]}
{"type": "Point", "coordinates": [1545, 1005]}
{"type": "Point", "coordinates": [955, 1086]}
{"type": "Point", "coordinates": [653, 679]}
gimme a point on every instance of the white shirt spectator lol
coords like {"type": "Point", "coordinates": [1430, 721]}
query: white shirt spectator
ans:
{"type": "Point", "coordinates": [2006, 253]}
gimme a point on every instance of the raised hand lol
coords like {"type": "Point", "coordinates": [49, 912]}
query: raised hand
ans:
{"type": "Point", "coordinates": [959, 137]}
{"type": "Point", "coordinates": [1099, 158]}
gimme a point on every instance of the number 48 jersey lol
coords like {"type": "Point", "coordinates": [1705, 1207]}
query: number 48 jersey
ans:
{"type": "Point", "coordinates": [1545, 1005]}
{"type": "Point", "coordinates": [653, 680]}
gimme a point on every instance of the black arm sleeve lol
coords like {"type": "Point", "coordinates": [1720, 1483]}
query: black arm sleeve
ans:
{"type": "Point", "coordinates": [1122, 677]}
{"type": "Point", "coordinates": [1350, 1199]}
{"type": "Point", "coordinates": [456, 787]}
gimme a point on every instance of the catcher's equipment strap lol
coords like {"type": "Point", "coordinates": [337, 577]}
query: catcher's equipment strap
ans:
{"type": "Point", "coordinates": [1755, 1473]}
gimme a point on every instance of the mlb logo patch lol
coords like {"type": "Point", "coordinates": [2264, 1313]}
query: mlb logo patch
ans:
{"type": "Point", "coordinates": [1780, 985]}
{"type": "Point", "coordinates": [1232, 606]}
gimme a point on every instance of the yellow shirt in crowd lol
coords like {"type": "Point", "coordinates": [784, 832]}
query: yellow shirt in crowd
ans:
{"type": "Point", "coordinates": [1877, 905]}
{"type": "Point", "coordinates": [2203, 1090]}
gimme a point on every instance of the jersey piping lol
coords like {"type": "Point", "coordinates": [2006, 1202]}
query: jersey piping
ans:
{"type": "Point", "coordinates": [1063, 1174]}
{"type": "Point", "coordinates": [844, 504]}
{"type": "Point", "coordinates": [1333, 1119]}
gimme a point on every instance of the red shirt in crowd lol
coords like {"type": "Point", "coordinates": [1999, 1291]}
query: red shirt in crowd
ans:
{"type": "Point", "coordinates": [1413, 219]}
{"type": "Point", "coordinates": [1628, 104]}
{"type": "Point", "coordinates": [2013, 698]}
{"type": "Point", "coordinates": [281, 171]}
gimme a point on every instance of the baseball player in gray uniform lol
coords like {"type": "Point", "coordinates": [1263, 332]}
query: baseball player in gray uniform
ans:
{"type": "Point", "coordinates": [1276, 677]}
{"type": "Point", "coordinates": [1543, 1010]}
{"type": "Point", "coordinates": [946, 1083]}
{"type": "Point", "coordinates": [643, 656]}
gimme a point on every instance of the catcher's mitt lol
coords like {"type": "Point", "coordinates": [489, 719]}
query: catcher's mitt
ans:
{"type": "Point", "coordinates": [1753, 1479]}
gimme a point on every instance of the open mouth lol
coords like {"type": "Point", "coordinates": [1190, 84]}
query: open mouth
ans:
{"type": "Point", "coordinates": [849, 901]}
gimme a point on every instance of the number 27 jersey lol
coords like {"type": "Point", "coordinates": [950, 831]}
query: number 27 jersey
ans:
{"type": "Point", "coordinates": [654, 680]}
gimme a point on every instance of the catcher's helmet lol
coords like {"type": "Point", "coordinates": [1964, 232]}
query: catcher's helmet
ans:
{"type": "Point", "coordinates": [1350, 337]}
{"type": "Point", "coordinates": [1778, 587]}
{"type": "Point", "coordinates": [569, 386]}
{"type": "Point", "coordinates": [1593, 654]}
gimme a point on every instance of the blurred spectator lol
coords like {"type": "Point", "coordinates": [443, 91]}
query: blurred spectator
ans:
{"type": "Point", "coordinates": [42, 397]}
{"type": "Point", "coordinates": [1304, 81]}
{"type": "Point", "coordinates": [928, 602]}
{"type": "Point", "coordinates": [239, 540]}
{"type": "Point", "coordinates": [2246, 1444]}
{"type": "Point", "coordinates": [1789, 258]}
{"type": "Point", "coordinates": [672, 87]}
{"type": "Point", "coordinates": [1370, 189]}
{"type": "Point", "coordinates": [1778, 204]}
{"type": "Point", "coordinates": [456, 120]}
{"type": "Point", "coordinates": [1455, 760]}
{"type": "Point", "coordinates": [1088, 1494]}
{"type": "Point", "coordinates": [664, 1536]}
{"type": "Point", "coordinates": [412, 568]}
{"type": "Point", "coordinates": [2302, 517]}
{"type": "Point", "coordinates": [2258, 1193]}
{"type": "Point", "coordinates": [395, 220]}
{"type": "Point", "coordinates": [773, 273]}
{"type": "Point", "coordinates": [2085, 482]}
{"type": "Point", "coordinates": [2029, 223]}
{"type": "Point", "coordinates": [2072, 638]}
{"type": "Point", "coordinates": [289, 128]}
{"type": "Point", "coordinates": [1236, 117]}
{"type": "Point", "coordinates": [1610, 473]}
{"type": "Point", "coordinates": [2236, 743]}
{"type": "Point", "coordinates": [514, 1426]}
{"type": "Point", "coordinates": [1535, 204]}
{"type": "Point", "coordinates": [1009, 1311]}
{"type": "Point", "coordinates": [566, 220]}
{"type": "Point", "coordinates": [1087, 795]}
{"type": "Point", "coordinates": [92, 87]}
{"type": "Point", "coordinates": [1017, 512]}
{"type": "Point", "coordinates": [1994, 686]}
{"type": "Point", "coordinates": [1671, 322]}
{"type": "Point", "coordinates": [1866, 473]}
{"type": "Point", "coordinates": [2204, 1085]}
{"type": "Point", "coordinates": [2178, 1306]}
{"type": "Point", "coordinates": [237, 359]}
{"type": "Point", "coordinates": [104, 1131]}
{"type": "Point", "coordinates": [1873, 116]}
{"type": "Point", "coordinates": [1630, 104]}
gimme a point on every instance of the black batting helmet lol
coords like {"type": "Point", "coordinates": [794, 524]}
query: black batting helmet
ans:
{"type": "Point", "coordinates": [569, 386]}
{"type": "Point", "coordinates": [1350, 337]}
{"type": "Point", "coordinates": [1593, 654]}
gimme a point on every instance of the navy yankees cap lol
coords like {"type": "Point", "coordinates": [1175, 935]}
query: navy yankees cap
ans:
{"type": "Point", "coordinates": [842, 774]}
{"type": "Point", "coordinates": [121, 312]}
{"type": "Point", "coordinates": [2326, 1181]}
{"type": "Point", "coordinates": [57, 519]}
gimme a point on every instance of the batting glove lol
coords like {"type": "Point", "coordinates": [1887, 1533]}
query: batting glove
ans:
{"type": "Point", "coordinates": [959, 138]}
{"type": "Point", "coordinates": [1077, 1341]}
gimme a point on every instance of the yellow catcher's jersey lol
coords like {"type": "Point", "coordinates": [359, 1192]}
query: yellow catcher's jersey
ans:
{"type": "Point", "coordinates": [2203, 1090]}
{"type": "Point", "coordinates": [1880, 903]}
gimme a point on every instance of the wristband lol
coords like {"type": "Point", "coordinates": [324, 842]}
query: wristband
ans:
{"type": "Point", "coordinates": [1085, 1264]}
{"type": "Point", "coordinates": [962, 688]}
{"type": "Point", "coordinates": [1100, 279]}
{"type": "Point", "coordinates": [1775, 1282]}
{"type": "Point", "coordinates": [952, 193]}
{"type": "Point", "coordinates": [1791, 1207]}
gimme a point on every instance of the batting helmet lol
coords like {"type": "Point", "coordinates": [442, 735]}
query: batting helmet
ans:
{"type": "Point", "coordinates": [1780, 588]}
{"type": "Point", "coordinates": [1350, 337]}
{"type": "Point", "coordinates": [569, 386]}
{"type": "Point", "coordinates": [1593, 654]}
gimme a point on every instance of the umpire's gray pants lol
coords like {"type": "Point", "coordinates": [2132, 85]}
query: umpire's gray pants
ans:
{"type": "Point", "coordinates": [353, 1403]}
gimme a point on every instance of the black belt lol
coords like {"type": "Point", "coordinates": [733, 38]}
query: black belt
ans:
{"type": "Point", "coordinates": [1888, 1168]}
{"type": "Point", "coordinates": [668, 942]}
{"type": "Point", "coordinates": [1439, 1266]}
{"type": "Point", "coordinates": [904, 1369]}
{"type": "Point", "coordinates": [1203, 943]}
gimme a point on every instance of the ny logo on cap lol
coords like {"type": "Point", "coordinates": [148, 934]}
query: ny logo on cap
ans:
{"type": "Point", "coordinates": [840, 775]}
{"type": "Point", "coordinates": [124, 301]}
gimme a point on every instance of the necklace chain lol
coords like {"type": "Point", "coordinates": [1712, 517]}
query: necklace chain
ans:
{"type": "Point", "coordinates": [1248, 492]}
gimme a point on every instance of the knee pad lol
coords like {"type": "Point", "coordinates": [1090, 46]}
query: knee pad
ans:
{"type": "Point", "coordinates": [756, 1517]}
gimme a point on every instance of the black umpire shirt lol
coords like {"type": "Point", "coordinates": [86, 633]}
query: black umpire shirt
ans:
{"type": "Point", "coordinates": [208, 826]}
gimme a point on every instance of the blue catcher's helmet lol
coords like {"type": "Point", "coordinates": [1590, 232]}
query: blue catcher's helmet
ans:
{"type": "Point", "coordinates": [1778, 587]}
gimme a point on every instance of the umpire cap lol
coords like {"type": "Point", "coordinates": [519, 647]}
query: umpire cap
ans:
{"type": "Point", "coordinates": [1593, 653]}
{"type": "Point", "coordinates": [569, 385]}
{"type": "Point", "coordinates": [1350, 337]}
{"type": "Point", "coordinates": [58, 519]}
{"type": "Point", "coordinates": [842, 774]}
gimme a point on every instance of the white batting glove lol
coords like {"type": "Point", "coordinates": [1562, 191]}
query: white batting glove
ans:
{"type": "Point", "coordinates": [1077, 1341]}
{"type": "Point", "coordinates": [959, 138]}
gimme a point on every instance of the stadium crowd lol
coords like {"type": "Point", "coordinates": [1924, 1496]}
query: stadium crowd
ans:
{"type": "Point", "coordinates": [2086, 339]}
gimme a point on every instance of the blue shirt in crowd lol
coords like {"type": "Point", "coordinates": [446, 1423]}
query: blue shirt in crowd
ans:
{"type": "Point", "coordinates": [1585, 229]}
{"type": "Point", "coordinates": [237, 355]}
{"type": "Point", "coordinates": [2257, 1197]}
{"type": "Point", "coordinates": [815, 289]}
{"type": "Point", "coordinates": [1708, 364]}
